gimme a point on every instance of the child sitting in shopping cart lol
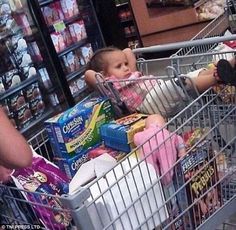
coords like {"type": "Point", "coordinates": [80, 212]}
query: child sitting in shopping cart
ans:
{"type": "Point", "coordinates": [149, 94]}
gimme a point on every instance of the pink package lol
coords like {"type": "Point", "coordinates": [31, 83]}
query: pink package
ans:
{"type": "Point", "coordinates": [43, 177]}
{"type": "Point", "coordinates": [69, 8]}
{"type": "Point", "coordinates": [67, 37]}
{"type": "Point", "coordinates": [57, 13]}
{"type": "Point", "coordinates": [75, 31]}
{"type": "Point", "coordinates": [83, 30]}
{"type": "Point", "coordinates": [47, 14]}
{"type": "Point", "coordinates": [58, 41]}
{"type": "Point", "coordinates": [52, 13]}
{"type": "Point", "coordinates": [23, 22]}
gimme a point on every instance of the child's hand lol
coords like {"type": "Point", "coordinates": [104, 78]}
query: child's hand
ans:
{"type": "Point", "coordinates": [181, 152]}
{"type": "Point", "coordinates": [5, 174]}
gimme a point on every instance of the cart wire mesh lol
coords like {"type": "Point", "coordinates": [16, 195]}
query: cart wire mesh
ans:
{"type": "Point", "coordinates": [133, 195]}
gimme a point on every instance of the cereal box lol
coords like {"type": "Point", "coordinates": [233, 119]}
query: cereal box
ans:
{"type": "Point", "coordinates": [199, 170]}
{"type": "Point", "coordinates": [77, 129]}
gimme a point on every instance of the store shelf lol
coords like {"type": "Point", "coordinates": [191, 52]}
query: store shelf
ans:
{"type": "Point", "coordinates": [126, 20]}
{"type": "Point", "coordinates": [131, 35]}
{"type": "Point", "coordinates": [45, 2]}
{"type": "Point", "coordinates": [72, 19]}
{"type": "Point", "coordinates": [39, 122]}
{"type": "Point", "coordinates": [22, 85]}
{"type": "Point", "coordinates": [122, 4]}
{"type": "Point", "coordinates": [82, 94]}
{"type": "Point", "coordinates": [30, 38]}
{"type": "Point", "coordinates": [72, 47]}
{"type": "Point", "coordinates": [73, 75]}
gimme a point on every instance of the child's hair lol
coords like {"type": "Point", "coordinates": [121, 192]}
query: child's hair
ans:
{"type": "Point", "coordinates": [97, 62]}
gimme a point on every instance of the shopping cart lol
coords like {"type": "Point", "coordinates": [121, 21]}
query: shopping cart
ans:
{"type": "Point", "coordinates": [132, 195]}
{"type": "Point", "coordinates": [231, 8]}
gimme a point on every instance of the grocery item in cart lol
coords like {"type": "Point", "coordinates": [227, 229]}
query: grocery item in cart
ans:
{"type": "Point", "coordinates": [127, 194]}
{"type": "Point", "coordinates": [200, 174]}
{"type": "Point", "coordinates": [71, 165]}
{"type": "Point", "coordinates": [90, 170]}
{"type": "Point", "coordinates": [226, 93]}
{"type": "Point", "coordinates": [16, 208]}
{"type": "Point", "coordinates": [77, 129]}
{"type": "Point", "coordinates": [101, 149]}
{"type": "Point", "coordinates": [119, 134]}
{"type": "Point", "coordinates": [43, 177]}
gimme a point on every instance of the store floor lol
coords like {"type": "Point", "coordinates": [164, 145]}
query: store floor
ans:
{"type": "Point", "coordinates": [229, 224]}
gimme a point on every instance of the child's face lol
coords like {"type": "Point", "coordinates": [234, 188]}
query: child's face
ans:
{"type": "Point", "coordinates": [117, 65]}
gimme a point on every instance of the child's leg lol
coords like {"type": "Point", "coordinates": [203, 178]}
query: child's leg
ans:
{"type": "Point", "coordinates": [204, 80]}
{"type": "Point", "coordinates": [165, 98]}
{"type": "Point", "coordinates": [223, 72]}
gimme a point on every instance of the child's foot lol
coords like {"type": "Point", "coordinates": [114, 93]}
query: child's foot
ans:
{"type": "Point", "coordinates": [226, 72]}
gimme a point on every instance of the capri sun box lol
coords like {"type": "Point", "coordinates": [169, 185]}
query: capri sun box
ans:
{"type": "Point", "coordinates": [119, 134]}
{"type": "Point", "coordinates": [75, 131]}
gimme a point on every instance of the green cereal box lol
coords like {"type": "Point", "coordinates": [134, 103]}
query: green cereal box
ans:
{"type": "Point", "coordinates": [77, 129]}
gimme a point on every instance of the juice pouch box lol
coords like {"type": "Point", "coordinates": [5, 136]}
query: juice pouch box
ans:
{"type": "Point", "coordinates": [119, 134]}
{"type": "Point", "coordinates": [70, 166]}
{"type": "Point", "coordinates": [199, 174]}
{"type": "Point", "coordinates": [77, 129]}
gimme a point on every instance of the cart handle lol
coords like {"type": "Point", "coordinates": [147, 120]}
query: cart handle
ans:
{"type": "Point", "coordinates": [183, 44]}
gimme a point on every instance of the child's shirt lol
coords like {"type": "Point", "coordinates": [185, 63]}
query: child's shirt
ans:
{"type": "Point", "coordinates": [161, 147]}
{"type": "Point", "coordinates": [132, 91]}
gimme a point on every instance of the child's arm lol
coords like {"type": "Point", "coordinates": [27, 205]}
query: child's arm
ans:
{"type": "Point", "coordinates": [180, 146]}
{"type": "Point", "coordinates": [90, 78]}
{"type": "Point", "coordinates": [131, 59]}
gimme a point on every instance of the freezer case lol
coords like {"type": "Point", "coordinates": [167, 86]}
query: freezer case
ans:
{"type": "Point", "coordinates": [27, 74]}
{"type": "Point", "coordinates": [72, 33]}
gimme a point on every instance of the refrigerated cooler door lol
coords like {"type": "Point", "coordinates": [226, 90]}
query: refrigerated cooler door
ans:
{"type": "Point", "coordinates": [27, 74]}
{"type": "Point", "coordinates": [72, 34]}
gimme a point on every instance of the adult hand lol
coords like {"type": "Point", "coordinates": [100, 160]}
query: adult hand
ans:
{"type": "Point", "coordinates": [5, 174]}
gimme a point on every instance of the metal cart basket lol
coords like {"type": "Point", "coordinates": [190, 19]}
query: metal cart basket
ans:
{"type": "Point", "coordinates": [133, 194]}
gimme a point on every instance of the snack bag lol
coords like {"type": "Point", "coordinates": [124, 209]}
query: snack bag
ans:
{"type": "Point", "coordinates": [44, 183]}
{"type": "Point", "coordinates": [226, 93]}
